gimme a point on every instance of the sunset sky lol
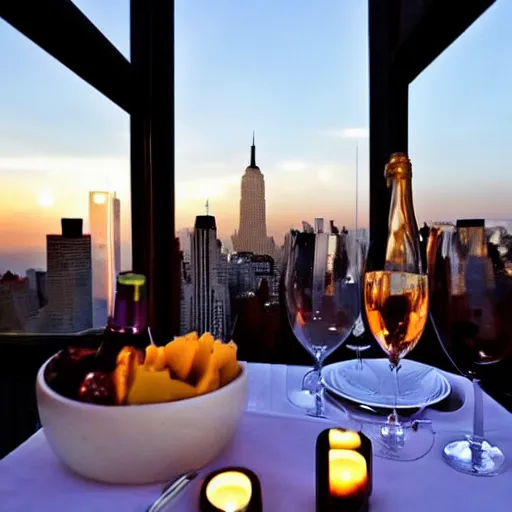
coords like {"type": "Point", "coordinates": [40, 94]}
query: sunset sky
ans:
{"type": "Point", "coordinates": [298, 77]}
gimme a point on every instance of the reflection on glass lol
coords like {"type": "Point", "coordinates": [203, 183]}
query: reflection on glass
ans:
{"type": "Point", "coordinates": [322, 284]}
{"type": "Point", "coordinates": [471, 291]}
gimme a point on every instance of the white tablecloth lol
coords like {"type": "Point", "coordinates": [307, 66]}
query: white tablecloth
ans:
{"type": "Point", "coordinates": [277, 442]}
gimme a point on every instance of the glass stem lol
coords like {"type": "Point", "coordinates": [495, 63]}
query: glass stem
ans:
{"type": "Point", "coordinates": [318, 370]}
{"type": "Point", "coordinates": [359, 358]}
{"type": "Point", "coordinates": [319, 410]}
{"type": "Point", "coordinates": [478, 417]}
{"type": "Point", "coordinates": [318, 365]}
{"type": "Point", "coordinates": [393, 417]}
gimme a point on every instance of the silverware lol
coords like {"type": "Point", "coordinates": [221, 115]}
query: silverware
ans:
{"type": "Point", "coordinates": [171, 490]}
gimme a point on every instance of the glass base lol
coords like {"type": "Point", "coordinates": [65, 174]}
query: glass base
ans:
{"type": "Point", "coordinates": [312, 382]}
{"type": "Point", "coordinates": [312, 404]}
{"type": "Point", "coordinates": [301, 384]}
{"type": "Point", "coordinates": [480, 459]}
{"type": "Point", "coordinates": [400, 441]}
{"type": "Point", "coordinates": [306, 391]}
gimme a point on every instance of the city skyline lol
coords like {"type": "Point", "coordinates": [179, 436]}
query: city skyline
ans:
{"type": "Point", "coordinates": [304, 91]}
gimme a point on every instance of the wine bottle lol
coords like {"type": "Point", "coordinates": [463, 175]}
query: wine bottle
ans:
{"type": "Point", "coordinates": [396, 296]}
{"type": "Point", "coordinates": [129, 325]}
{"type": "Point", "coordinates": [403, 248]}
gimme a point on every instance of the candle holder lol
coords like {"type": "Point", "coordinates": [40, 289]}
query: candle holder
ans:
{"type": "Point", "coordinates": [232, 489]}
{"type": "Point", "coordinates": [344, 471]}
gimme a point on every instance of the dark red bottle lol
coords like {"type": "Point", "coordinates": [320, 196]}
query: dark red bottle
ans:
{"type": "Point", "coordinates": [129, 324]}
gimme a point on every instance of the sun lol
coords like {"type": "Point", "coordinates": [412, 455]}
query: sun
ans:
{"type": "Point", "coordinates": [45, 199]}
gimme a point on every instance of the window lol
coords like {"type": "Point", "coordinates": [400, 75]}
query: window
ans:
{"type": "Point", "coordinates": [297, 80]}
{"type": "Point", "coordinates": [61, 141]}
{"type": "Point", "coordinates": [459, 126]}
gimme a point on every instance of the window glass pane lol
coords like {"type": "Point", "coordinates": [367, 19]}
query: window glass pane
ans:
{"type": "Point", "coordinates": [460, 112]}
{"type": "Point", "coordinates": [60, 139]}
{"type": "Point", "coordinates": [112, 18]}
{"type": "Point", "coordinates": [298, 77]}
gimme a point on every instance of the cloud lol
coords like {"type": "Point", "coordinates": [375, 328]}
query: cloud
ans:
{"type": "Point", "coordinates": [325, 175]}
{"type": "Point", "coordinates": [65, 165]}
{"type": "Point", "coordinates": [292, 166]}
{"type": "Point", "coordinates": [349, 133]}
{"type": "Point", "coordinates": [207, 188]}
{"type": "Point", "coordinates": [110, 173]}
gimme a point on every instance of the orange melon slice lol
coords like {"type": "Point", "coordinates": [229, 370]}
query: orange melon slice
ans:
{"type": "Point", "coordinates": [179, 355]}
{"type": "Point", "coordinates": [202, 357]}
{"type": "Point", "coordinates": [210, 378]}
{"type": "Point", "coordinates": [128, 360]}
{"type": "Point", "coordinates": [151, 387]}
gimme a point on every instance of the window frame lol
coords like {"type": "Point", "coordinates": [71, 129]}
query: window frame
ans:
{"type": "Point", "coordinates": [403, 40]}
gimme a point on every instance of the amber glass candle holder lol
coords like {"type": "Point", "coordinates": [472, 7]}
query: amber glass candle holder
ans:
{"type": "Point", "coordinates": [233, 489]}
{"type": "Point", "coordinates": [344, 471]}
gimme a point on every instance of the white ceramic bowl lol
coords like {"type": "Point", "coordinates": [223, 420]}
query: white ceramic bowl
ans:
{"type": "Point", "coordinates": [140, 444]}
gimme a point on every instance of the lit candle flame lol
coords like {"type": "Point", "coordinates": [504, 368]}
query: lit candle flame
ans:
{"type": "Point", "coordinates": [348, 474]}
{"type": "Point", "coordinates": [343, 439]}
{"type": "Point", "coordinates": [230, 491]}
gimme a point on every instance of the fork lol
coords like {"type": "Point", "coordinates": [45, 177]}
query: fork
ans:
{"type": "Point", "coordinates": [171, 490]}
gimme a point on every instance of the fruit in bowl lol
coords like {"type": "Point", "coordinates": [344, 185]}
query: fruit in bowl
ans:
{"type": "Point", "coordinates": [167, 411]}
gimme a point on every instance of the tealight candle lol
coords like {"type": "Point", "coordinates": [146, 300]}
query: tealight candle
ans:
{"type": "Point", "coordinates": [348, 474]}
{"type": "Point", "coordinates": [231, 490]}
{"type": "Point", "coordinates": [343, 439]}
{"type": "Point", "coordinates": [344, 471]}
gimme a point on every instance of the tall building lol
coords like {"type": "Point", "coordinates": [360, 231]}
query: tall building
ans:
{"type": "Point", "coordinates": [252, 233]}
{"type": "Point", "coordinates": [37, 283]}
{"type": "Point", "coordinates": [68, 279]}
{"type": "Point", "coordinates": [186, 297]}
{"type": "Point", "coordinates": [105, 229]}
{"type": "Point", "coordinates": [247, 270]}
{"type": "Point", "coordinates": [18, 305]}
{"type": "Point", "coordinates": [210, 294]}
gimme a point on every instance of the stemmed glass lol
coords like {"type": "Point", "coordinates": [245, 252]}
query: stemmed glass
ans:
{"type": "Point", "coordinates": [471, 296]}
{"type": "Point", "coordinates": [396, 305]}
{"type": "Point", "coordinates": [322, 285]}
{"type": "Point", "coordinates": [358, 341]}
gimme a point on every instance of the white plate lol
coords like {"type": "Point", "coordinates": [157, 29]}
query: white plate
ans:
{"type": "Point", "coordinates": [419, 384]}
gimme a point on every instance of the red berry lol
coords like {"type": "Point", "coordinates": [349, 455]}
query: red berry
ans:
{"type": "Point", "coordinates": [97, 388]}
{"type": "Point", "coordinates": [66, 371]}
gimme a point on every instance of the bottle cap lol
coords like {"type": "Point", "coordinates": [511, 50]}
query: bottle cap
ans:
{"type": "Point", "coordinates": [399, 166]}
{"type": "Point", "coordinates": [131, 283]}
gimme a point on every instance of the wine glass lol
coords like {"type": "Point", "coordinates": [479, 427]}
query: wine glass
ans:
{"type": "Point", "coordinates": [322, 284]}
{"type": "Point", "coordinates": [471, 297]}
{"type": "Point", "coordinates": [358, 342]}
{"type": "Point", "coordinates": [396, 305]}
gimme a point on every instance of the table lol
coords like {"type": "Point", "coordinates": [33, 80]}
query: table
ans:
{"type": "Point", "coordinates": [277, 442]}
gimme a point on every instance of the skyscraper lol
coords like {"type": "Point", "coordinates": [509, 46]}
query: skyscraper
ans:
{"type": "Point", "coordinates": [18, 305]}
{"type": "Point", "coordinates": [210, 295]}
{"type": "Point", "coordinates": [252, 232]}
{"type": "Point", "coordinates": [105, 228]}
{"type": "Point", "coordinates": [68, 280]}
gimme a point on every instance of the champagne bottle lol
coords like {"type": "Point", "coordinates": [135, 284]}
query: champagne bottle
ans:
{"type": "Point", "coordinates": [396, 296]}
{"type": "Point", "coordinates": [403, 248]}
{"type": "Point", "coordinates": [129, 325]}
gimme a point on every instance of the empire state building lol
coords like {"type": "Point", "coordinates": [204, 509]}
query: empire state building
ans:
{"type": "Point", "coordinates": [252, 233]}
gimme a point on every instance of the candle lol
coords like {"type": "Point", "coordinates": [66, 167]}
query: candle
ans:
{"type": "Point", "coordinates": [230, 491]}
{"type": "Point", "coordinates": [344, 439]}
{"type": "Point", "coordinates": [348, 474]}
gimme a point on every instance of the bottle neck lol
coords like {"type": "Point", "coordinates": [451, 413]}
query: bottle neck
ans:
{"type": "Point", "coordinates": [403, 248]}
